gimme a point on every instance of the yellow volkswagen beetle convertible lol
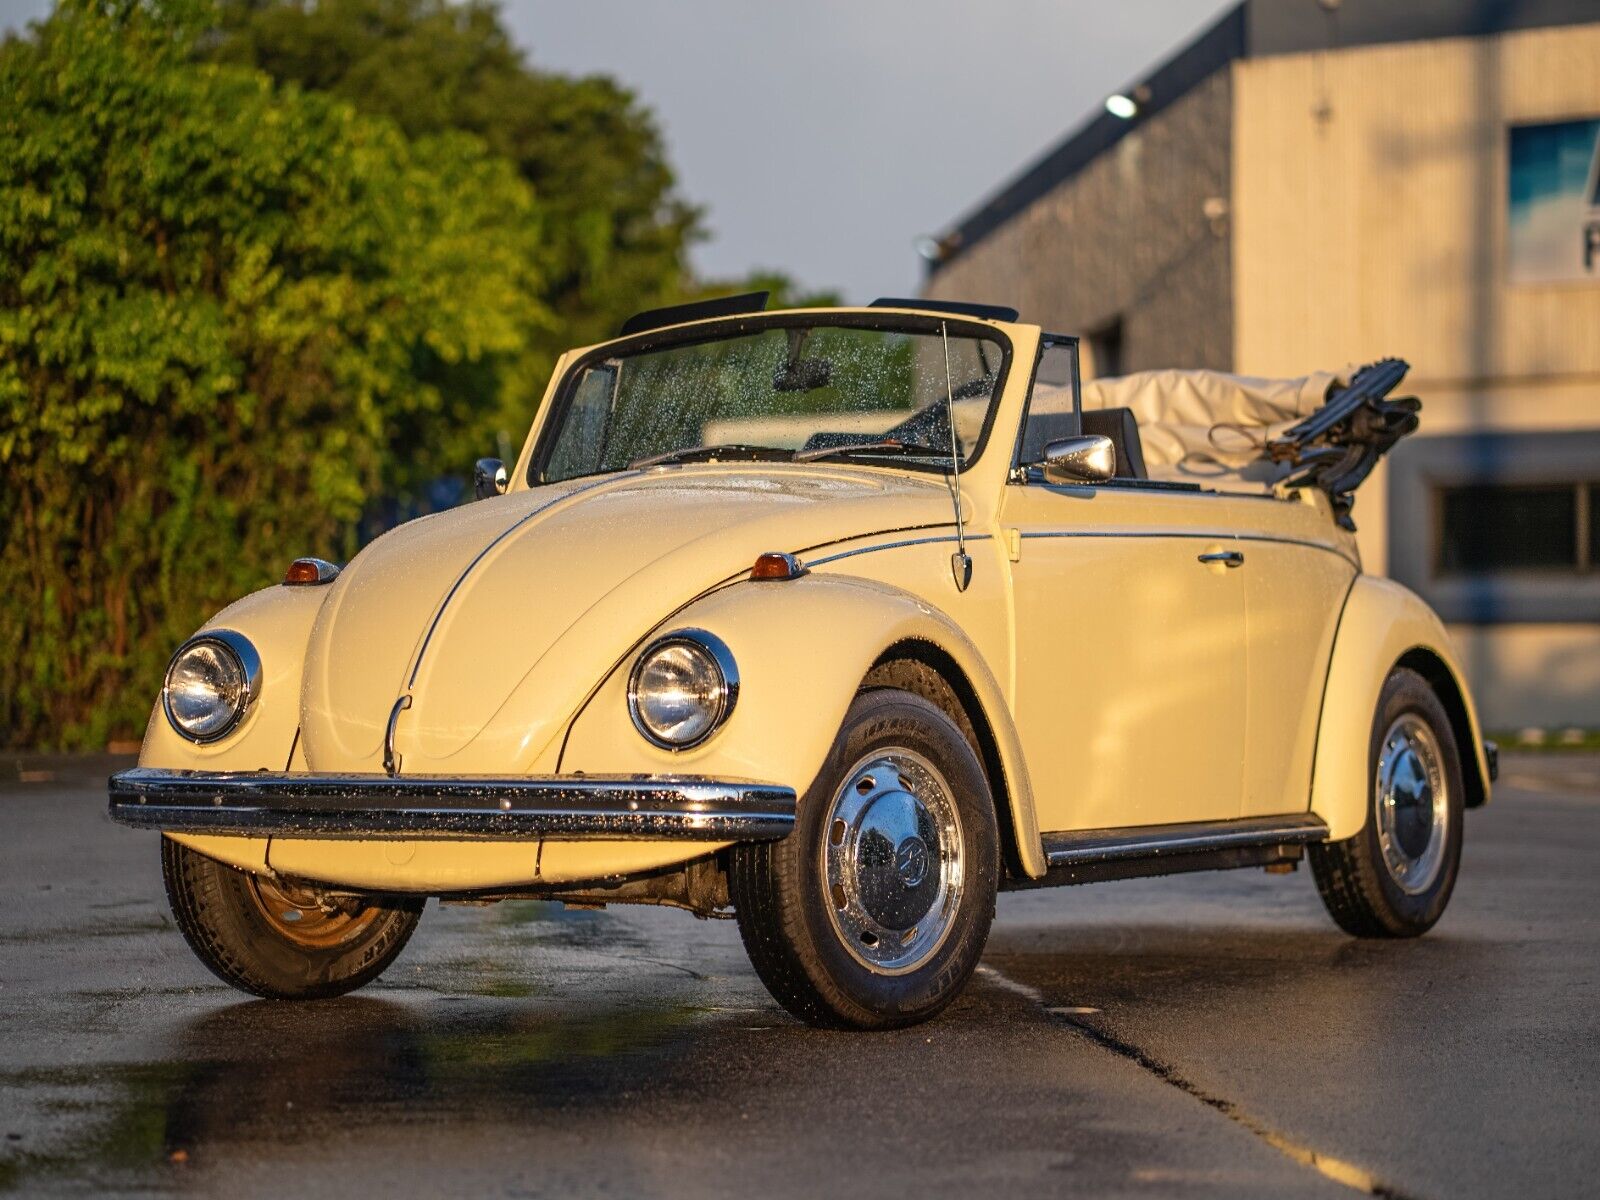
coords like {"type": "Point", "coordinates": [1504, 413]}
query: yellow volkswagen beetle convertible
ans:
{"type": "Point", "coordinates": [841, 620]}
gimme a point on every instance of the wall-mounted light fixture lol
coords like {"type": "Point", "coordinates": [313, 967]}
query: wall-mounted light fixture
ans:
{"type": "Point", "coordinates": [1122, 106]}
{"type": "Point", "coordinates": [1128, 105]}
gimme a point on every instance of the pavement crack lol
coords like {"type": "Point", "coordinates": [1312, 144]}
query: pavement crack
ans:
{"type": "Point", "coordinates": [1336, 1169]}
{"type": "Point", "coordinates": [660, 962]}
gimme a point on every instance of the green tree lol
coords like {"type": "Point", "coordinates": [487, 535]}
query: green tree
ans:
{"type": "Point", "coordinates": [229, 310]}
{"type": "Point", "coordinates": [617, 231]}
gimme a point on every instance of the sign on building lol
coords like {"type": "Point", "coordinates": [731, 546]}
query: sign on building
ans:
{"type": "Point", "coordinates": [1555, 202]}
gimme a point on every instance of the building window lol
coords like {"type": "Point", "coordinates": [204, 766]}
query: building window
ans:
{"type": "Point", "coordinates": [1490, 529]}
{"type": "Point", "coordinates": [1594, 526]}
{"type": "Point", "coordinates": [1497, 528]}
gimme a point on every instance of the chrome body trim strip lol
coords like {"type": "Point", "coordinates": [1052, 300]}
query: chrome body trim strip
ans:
{"type": "Point", "coordinates": [922, 541]}
{"type": "Point", "coordinates": [1220, 535]}
{"type": "Point", "coordinates": [1230, 535]}
{"type": "Point", "coordinates": [1150, 841]}
{"type": "Point", "coordinates": [279, 804]}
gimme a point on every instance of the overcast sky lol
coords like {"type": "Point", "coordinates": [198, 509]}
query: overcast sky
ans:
{"type": "Point", "coordinates": [822, 136]}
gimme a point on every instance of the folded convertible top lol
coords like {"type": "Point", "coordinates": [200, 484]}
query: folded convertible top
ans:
{"type": "Point", "coordinates": [1244, 433]}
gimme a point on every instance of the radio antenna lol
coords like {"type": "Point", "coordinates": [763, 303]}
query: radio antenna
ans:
{"type": "Point", "coordinates": [960, 561]}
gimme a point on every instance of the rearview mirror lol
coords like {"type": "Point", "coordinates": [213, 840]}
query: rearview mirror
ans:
{"type": "Point", "coordinates": [1088, 458]}
{"type": "Point", "coordinates": [803, 375]}
{"type": "Point", "coordinates": [488, 478]}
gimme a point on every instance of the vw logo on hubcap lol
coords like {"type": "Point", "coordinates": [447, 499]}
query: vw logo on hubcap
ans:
{"type": "Point", "coordinates": [911, 862]}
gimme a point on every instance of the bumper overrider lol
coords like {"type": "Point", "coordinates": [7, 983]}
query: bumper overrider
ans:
{"type": "Point", "coordinates": [581, 807]}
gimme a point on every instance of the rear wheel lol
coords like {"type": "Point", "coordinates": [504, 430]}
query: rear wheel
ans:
{"type": "Point", "coordinates": [277, 939]}
{"type": "Point", "coordinates": [872, 914]}
{"type": "Point", "coordinates": [1394, 878]}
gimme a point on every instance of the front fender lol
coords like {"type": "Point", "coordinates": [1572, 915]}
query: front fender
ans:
{"type": "Point", "coordinates": [278, 621]}
{"type": "Point", "coordinates": [802, 647]}
{"type": "Point", "coordinates": [1382, 624]}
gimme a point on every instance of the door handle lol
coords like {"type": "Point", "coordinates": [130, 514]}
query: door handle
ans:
{"type": "Point", "coordinates": [1228, 558]}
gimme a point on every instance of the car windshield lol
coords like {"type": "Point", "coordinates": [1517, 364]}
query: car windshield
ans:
{"type": "Point", "coordinates": [786, 392]}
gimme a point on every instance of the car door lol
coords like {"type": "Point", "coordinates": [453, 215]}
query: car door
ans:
{"type": "Point", "coordinates": [1298, 569]}
{"type": "Point", "coordinates": [1130, 653]}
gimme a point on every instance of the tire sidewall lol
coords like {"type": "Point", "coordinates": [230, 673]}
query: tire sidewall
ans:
{"type": "Point", "coordinates": [220, 918]}
{"type": "Point", "coordinates": [1407, 692]}
{"type": "Point", "coordinates": [879, 721]}
{"type": "Point", "coordinates": [299, 967]}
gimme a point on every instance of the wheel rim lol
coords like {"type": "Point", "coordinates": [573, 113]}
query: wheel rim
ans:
{"type": "Point", "coordinates": [297, 915]}
{"type": "Point", "coordinates": [1412, 798]}
{"type": "Point", "coordinates": [892, 857]}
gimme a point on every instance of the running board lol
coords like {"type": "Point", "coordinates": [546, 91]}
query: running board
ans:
{"type": "Point", "coordinates": [1094, 855]}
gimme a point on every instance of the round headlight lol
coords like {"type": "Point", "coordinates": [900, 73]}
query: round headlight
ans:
{"type": "Point", "coordinates": [683, 686]}
{"type": "Point", "coordinates": [210, 683]}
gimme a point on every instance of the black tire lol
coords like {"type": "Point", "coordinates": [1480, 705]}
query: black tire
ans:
{"type": "Point", "coordinates": [228, 918]}
{"type": "Point", "coordinates": [781, 897]}
{"type": "Point", "coordinates": [1359, 888]}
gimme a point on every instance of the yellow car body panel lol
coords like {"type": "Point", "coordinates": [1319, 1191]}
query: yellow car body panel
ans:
{"type": "Point", "coordinates": [1096, 645]}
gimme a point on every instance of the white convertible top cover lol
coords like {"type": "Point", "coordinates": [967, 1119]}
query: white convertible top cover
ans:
{"type": "Point", "coordinates": [1205, 426]}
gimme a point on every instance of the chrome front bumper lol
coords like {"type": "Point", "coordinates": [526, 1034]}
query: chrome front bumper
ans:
{"type": "Point", "coordinates": [629, 807]}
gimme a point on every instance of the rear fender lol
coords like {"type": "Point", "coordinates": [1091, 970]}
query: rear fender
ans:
{"type": "Point", "coordinates": [1384, 626]}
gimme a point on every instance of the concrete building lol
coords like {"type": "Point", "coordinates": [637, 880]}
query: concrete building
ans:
{"type": "Point", "coordinates": [1311, 183]}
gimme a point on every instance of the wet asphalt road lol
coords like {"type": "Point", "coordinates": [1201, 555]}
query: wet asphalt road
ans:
{"type": "Point", "coordinates": [1202, 1035]}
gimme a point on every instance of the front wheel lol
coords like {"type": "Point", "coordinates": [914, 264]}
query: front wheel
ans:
{"type": "Point", "coordinates": [278, 940]}
{"type": "Point", "coordinates": [872, 914]}
{"type": "Point", "coordinates": [1394, 878]}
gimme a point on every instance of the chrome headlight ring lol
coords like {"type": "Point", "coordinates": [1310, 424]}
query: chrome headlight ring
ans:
{"type": "Point", "coordinates": [686, 678]}
{"type": "Point", "coordinates": [238, 660]}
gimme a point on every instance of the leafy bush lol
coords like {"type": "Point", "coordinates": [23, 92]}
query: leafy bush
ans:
{"type": "Point", "coordinates": [267, 268]}
{"type": "Point", "coordinates": [230, 311]}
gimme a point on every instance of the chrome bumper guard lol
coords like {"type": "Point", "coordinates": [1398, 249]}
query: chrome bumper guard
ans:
{"type": "Point", "coordinates": [587, 807]}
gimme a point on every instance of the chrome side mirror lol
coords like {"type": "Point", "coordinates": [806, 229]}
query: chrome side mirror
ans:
{"type": "Point", "coordinates": [1089, 458]}
{"type": "Point", "coordinates": [489, 478]}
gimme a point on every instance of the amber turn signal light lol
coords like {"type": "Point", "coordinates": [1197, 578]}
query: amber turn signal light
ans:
{"type": "Point", "coordinates": [310, 571]}
{"type": "Point", "coordinates": [773, 565]}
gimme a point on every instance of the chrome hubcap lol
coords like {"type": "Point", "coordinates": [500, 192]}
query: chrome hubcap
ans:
{"type": "Point", "coordinates": [1412, 803]}
{"type": "Point", "coordinates": [892, 859]}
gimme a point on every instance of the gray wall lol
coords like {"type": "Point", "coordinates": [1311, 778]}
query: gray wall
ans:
{"type": "Point", "coordinates": [1127, 236]}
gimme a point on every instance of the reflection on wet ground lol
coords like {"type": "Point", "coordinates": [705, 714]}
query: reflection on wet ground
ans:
{"type": "Point", "coordinates": [1201, 1035]}
{"type": "Point", "coordinates": [262, 1074]}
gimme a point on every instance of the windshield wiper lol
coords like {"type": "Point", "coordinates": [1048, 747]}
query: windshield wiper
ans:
{"type": "Point", "coordinates": [689, 454]}
{"type": "Point", "coordinates": [887, 446]}
{"type": "Point", "coordinates": [700, 453]}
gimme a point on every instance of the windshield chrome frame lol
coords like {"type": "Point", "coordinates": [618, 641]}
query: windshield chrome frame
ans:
{"type": "Point", "coordinates": [722, 330]}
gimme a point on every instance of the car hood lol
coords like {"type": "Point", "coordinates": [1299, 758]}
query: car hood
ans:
{"type": "Point", "coordinates": [496, 619]}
